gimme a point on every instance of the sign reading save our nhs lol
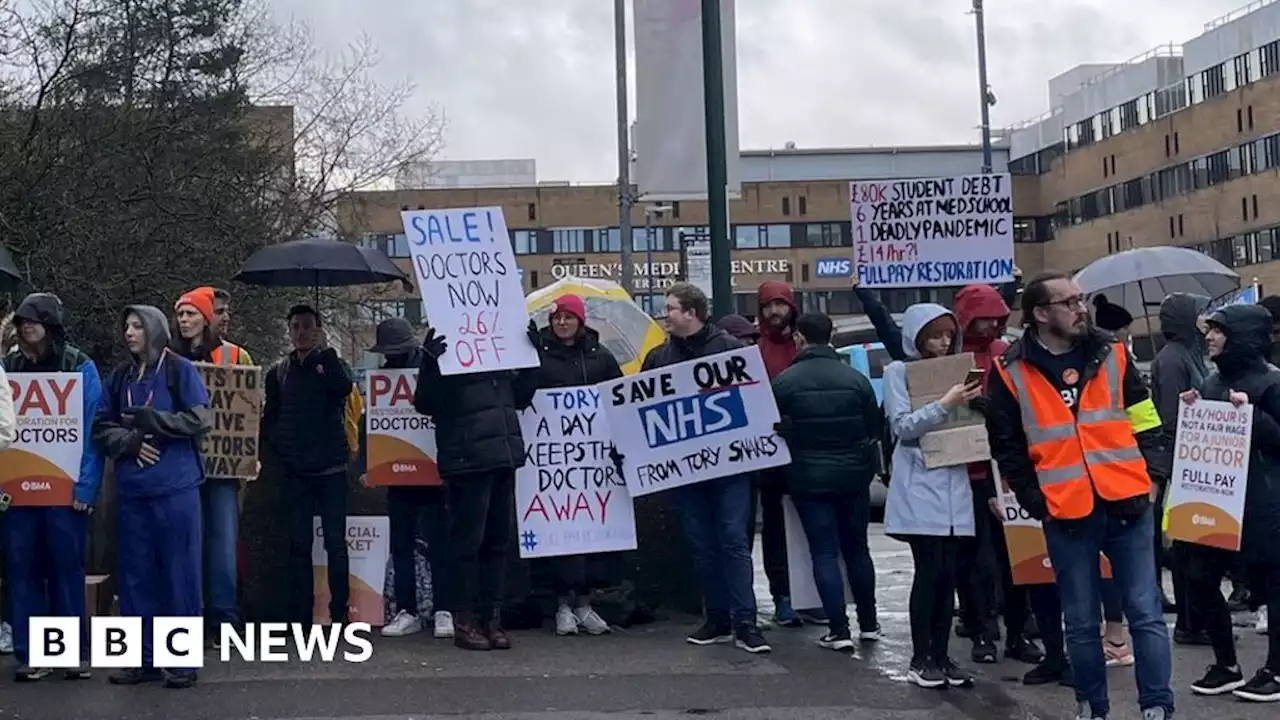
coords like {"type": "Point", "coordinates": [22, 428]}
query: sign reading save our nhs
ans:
{"type": "Point", "coordinates": [694, 421]}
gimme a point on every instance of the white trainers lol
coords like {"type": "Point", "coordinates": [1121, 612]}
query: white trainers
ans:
{"type": "Point", "coordinates": [1083, 712]}
{"type": "Point", "coordinates": [566, 621]}
{"type": "Point", "coordinates": [6, 639]}
{"type": "Point", "coordinates": [591, 621]}
{"type": "Point", "coordinates": [402, 624]}
{"type": "Point", "coordinates": [1261, 625]}
{"type": "Point", "coordinates": [443, 625]}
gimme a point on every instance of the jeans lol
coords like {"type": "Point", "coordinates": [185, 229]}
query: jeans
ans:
{"type": "Point", "coordinates": [326, 496]}
{"type": "Point", "coordinates": [836, 525]}
{"type": "Point", "coordinates": [220, 513]}
{"type": "Point", "coordinates": [1206, 567]}
{"type": "Point", "coordinates": [933, 590]}
{"type": "Point", "coordinates": [713, 514]}
{"type": "Point", "coordinates": [44, 551]}
{"type": "Point", "coordinates": [410, 508]}
{"type": "Point", "coordinates": [481, 522]}
{"type": "Point", "coordinates": [1073, 550]}
{"type": "Point", "coordinates": [768, 487]}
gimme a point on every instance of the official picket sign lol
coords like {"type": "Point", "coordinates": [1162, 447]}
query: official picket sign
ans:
{"type": "Point", "coordinates": [467, 275]}
{"type": "Point", "coordinates": [230, 449]}
{"type": "Point", "coordinates": [695, 421]}
{"type": "Point", "coordinates": [401, 443]}
{"type": "Point", "coordinates": [569, 497]}
{"type": "Point", "coordinates": [1024, 538]}
{"type": "Point", "coordinates": [43, 464]}
{"type": "Point", "coordinates": [1210, 473]}
{"type": "Point", "coordinates": [368, 547]}
{"type": "Point", "coordinates": [116, 642]}
{"type": "Point", "coordinates": [933, 232]}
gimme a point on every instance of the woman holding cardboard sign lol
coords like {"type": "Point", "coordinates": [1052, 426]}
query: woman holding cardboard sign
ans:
{"type": "Point", "coordinates": [930, 509]}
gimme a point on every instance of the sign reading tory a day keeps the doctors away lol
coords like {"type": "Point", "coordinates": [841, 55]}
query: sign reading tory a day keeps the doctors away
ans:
{"type": "Point", "coordinates": [470, 284]}
{"type": "Point", "coordinates": [694, 421]}
{"type": "Point", "coordinates": [401, 445]}
{"type": "Point", "coordinates": [932, 232]}
{"type": "Point", "coordinates": [1210, 473]}
{"type": "Point", "coordinates": [43, 464]}
{"type": "Point", "coordinates": [570, 499]}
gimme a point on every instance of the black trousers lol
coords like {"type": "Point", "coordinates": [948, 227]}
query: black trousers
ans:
{"type": "Point", "coordinates": [985, 581]}
{"type": "Point", "coordinates": [1264, 582]}
{"type": "Point", "coordinates": [1046, 604]}
{"type": "Point", "coordinates": [481, 523]}
{"type": "Point", "coordinates": [933, 590]}
{"type": "Point", "coordinates": [768, 488]}
{"type": "Point", "coordinates": [1205, 568]}
{"type": "Point", "coordinates": [1016, 605]}
{"type": "Point", "coordinates": [413, 510]}
{"type": "Point", "coordinates": [326, 496]}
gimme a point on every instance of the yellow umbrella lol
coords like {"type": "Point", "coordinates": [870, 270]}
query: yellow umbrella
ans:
{"type": "Point", "coordinates": [624, 328]}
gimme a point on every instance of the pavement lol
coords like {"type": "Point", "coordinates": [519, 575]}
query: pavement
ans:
{"type": "Point", "coordinates": [646, 672]}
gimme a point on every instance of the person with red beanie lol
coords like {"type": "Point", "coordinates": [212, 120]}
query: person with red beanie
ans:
{"type": "Point", "coordinates": [776, 319]}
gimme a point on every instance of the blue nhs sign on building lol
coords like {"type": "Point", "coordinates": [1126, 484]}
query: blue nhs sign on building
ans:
{"type": "Point", "coordinates": [834, 267]}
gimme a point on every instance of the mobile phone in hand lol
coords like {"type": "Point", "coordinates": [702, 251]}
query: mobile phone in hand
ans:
{"type": "Point", "coordinates": [975, 376]}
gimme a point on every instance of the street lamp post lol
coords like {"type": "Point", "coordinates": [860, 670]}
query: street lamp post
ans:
{"type": "Point", "coordinates": [649, 212]}
{"type": "Point", "coordinates": [988, 99]}
{"type": "Point", "coordinates": [717, 159]}
{"type": "Point", "coordinates": [624, 150]}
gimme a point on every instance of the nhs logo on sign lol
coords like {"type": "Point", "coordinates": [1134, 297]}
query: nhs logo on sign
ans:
{"type": "Point", "coordinates": [692, 417]}
{"type": "Point", "coordinates": [834, 267]}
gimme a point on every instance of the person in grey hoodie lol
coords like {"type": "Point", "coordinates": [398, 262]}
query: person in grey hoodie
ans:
{"type": "Point", "coordinates": [1178, 367]}
{"type": "Point", "coordinates": [929, 509]}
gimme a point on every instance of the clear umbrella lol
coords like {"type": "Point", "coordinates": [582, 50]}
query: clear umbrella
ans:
{"type": "Point", "coordinates": [624, 327]}
{"type": "Point", "coordinates": [1140, 279]}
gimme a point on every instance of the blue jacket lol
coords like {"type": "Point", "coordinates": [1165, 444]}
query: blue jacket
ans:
{"type": "Point", "coordinates": [159, 400]}
{"type": "Point", "coordinates": [63, 357]}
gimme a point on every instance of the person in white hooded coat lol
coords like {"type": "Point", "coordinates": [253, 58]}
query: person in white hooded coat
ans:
{"type": "Point", "coordinates": [929, 509]}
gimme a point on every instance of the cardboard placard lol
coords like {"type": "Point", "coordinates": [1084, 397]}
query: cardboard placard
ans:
{"type": "Point", "coordinates": [962, 438]}
{"type": "Point", "coordinates": [230, 450]}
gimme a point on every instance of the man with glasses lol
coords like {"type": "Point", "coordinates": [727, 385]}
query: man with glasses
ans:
{"type": "Point", "coordinates": [1072, 427]}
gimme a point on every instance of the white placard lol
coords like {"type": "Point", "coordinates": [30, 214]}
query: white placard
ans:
{"type": "Point", "coordinates": [400, 444]}
{"type": "Point", "coordinates": [695, 421]}
{"type": "Point", "coordinates": [569, 498]}
{"type": "Point", "coordinates": [804, 588]}
{"type": "Point", "coordinates": [470, 284]}
{"type": "Point", "coordinates": [368, 547]}
{"type": "Point", "coordinates": [1210, 473]}
{"type": "Point", "coordinates": [933, 232]}
{"type": "Point", "coordinates": [42, 466]}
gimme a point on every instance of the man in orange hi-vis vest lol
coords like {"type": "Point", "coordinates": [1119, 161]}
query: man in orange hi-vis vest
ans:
{"type": "Point", "coordinates": [1071, 426]}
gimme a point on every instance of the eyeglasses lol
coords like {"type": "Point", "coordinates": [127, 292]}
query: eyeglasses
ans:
{"type": "Point", "coordinates": [1075, 302]}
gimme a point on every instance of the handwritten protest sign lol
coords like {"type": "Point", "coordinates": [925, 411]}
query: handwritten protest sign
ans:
{"type": "Point", "coordinates": [1210, 473]}
{"type": "Point", "coordinates": [368, 547]}
{"type": "Point", "coordinates": [933, 231]}
{"type": "Point", "coordinates": [1024, 537]}
{"type": "Point", "coordinates": [470, 285]}
{"type": "Point", "coordinates": [963, 437]}
{"type": "Point", "coordinates": [401, 444]}
{"type": "Point", "coordinates": [43, 464]}
{"type": "Point", "coordinates": [569, 498]}
{"type": "Point", "coordinates": [694, 421]}
{"type": "Point", "coordinates": [230, 449]}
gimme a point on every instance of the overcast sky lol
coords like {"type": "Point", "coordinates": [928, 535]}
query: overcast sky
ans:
{"type": "Point", "coordinates": [535, 78]}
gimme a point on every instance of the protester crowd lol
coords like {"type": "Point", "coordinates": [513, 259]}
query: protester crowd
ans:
{"type": "Point", "coordinates": [1076, 432]}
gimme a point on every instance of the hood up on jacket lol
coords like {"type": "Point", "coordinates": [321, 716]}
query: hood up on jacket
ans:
{"type": "Point", "coordinates": [1178, 316]}
{"type": "Point", "coordinates": [980, 302]}
{"type": "Point", "coordinates": [156, 326]}
{"type": "Point", "coordinates": [1248, 331]}
{"type": "Point", "coordinates": [48, 310]}
{"type": "Point", "coordinates": [914, 321]}
{"type": "Point", "coordinates": [777, 347]}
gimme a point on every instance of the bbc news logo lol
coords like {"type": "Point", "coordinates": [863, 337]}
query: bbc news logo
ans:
{"type": "Point", "coordinates": [178, 642]}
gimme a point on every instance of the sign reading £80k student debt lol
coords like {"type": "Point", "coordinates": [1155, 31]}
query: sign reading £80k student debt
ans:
{"type": "Point", "coordinates": [230, 449]}
{"type": "Point", "coordinates": [933, 232]}
{"type": "Point", "coordinates": [401, 442]}
{"type": "Point", "coordinates": [43, 464]}
{"type": "Point", "coordinates": [569, 497]}
{"type": "Point", "coordinates": [1210, 473]}
{"type": "Point", "coordinates": [470, 285]}
{"type": "Point", "coordinates": [694, 421]}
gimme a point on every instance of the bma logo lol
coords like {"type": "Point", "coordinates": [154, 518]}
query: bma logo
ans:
{"type": "Point", "coordinates": [35, 485]}
{"type": "Point", "coordinates": [834, 267]}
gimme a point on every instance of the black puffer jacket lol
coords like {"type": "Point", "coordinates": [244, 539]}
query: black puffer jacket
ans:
{"type": "Point", "coordinates": [1242, 366]}
{"type": "Point", "coordinates": [586, 362]}
{"type": "Point", "coordinates": [710, 340]}
{"type": "Point", "coordinates": [304, 409]}
{"type": "Point", "coordinates": [477, 417]}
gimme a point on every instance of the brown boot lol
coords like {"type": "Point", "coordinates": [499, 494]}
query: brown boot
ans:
{"type": "Point", "coordinates": [498, 638]}
{"type": "Point", "coordinates": [467, 633]}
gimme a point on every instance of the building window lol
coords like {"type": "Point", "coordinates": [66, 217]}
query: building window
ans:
{"type": "Point", "coordinates": [761, 236]}
{"type": "Point", "coordinates": [1269, 59]}
{"type": "Point", "coordinates": [1171, 231]}
{"type": "Point", "coordinates": [1177, 147]}
{"type": "Point", "coordinates": [375, 311]}
{"type": "Point", "coordinates": [1180, 233]}
{"type": "Point", "coordinates": [647, 239]}
{"type": "Point", "coordinates": [675, 210]}
{"type": "Point", "coordinates": [1129, 115]}
{"type": "Point", "coordinates": [569, 240]}
{"type": "Point", "coordinates": [533, 211]}
{"type": "Point", "coordinates": [524, 242]}
{"type": "Point", "coordinates": [786, 206]}
{"type": "Point", "coordinates": [1131, 195]}
{"type": "Point", "coordinates": [1168, 147]}
{"type": "Point", "coordinates": [1248, 158]}
{"type": "Point", "coordinates": [1212, 82]}
{"type": "Point", "coordinates": [803, 202]}
{"type": "Point", "coordinates": [1219, 165]}
{"type": "Point", "coordinates": [827, 235]}
{"type": "Point", "coordinates": [1243, 71]}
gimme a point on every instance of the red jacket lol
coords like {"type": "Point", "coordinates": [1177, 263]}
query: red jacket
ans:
{"type": "Point", "coordinates": [776, 346]}
{"type": "Point", "coordinates": [975, 302]}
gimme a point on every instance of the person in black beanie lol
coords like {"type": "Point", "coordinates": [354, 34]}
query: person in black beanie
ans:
{"type": "Point", "coordinates": [1112, 318]}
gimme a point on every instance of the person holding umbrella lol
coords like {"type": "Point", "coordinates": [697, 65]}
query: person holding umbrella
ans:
{"type": "Point", "coordinates": [409, 505]}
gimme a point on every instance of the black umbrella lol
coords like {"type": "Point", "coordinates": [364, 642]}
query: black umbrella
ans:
{"type": "Point", "coordinates": [319, 262]}
{"type": "Point", "coordinates": [10, 278]}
